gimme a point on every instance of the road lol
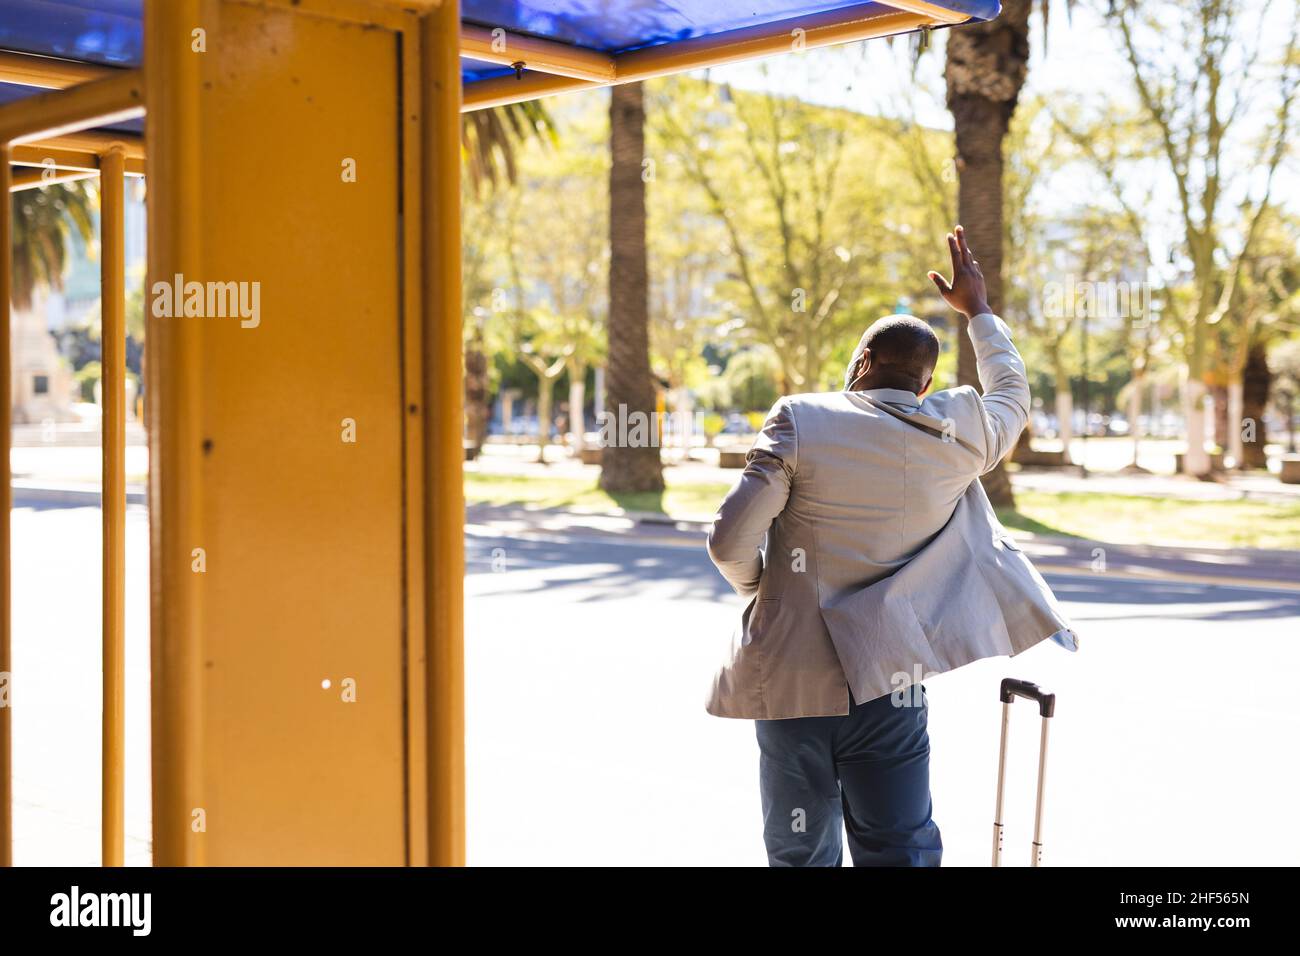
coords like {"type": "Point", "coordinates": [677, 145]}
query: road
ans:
{"type": "Point", "coordinates": [589, 658]}
{"type": "Point", "coordinates": [589, 654]}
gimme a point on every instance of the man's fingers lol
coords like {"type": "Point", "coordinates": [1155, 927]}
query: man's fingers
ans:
{"type": "Point", "coordinates": [966, 255]}
{"type": "Point", "coordinates": [941, 282]}
{"type": "Point", "coordinates": [956, 254]}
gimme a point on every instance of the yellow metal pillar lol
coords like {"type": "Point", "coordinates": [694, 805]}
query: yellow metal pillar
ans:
{"type": "Point", "coordinates": [444, 407]}
{"type": "Point", "coordinates": [171, 406]}
{"type": "Point", "coordinates": [287, 438]}
{"type": "Point", "coordinates": [112, 184]}
{"type": "Point", "coordinates": [6, 503]}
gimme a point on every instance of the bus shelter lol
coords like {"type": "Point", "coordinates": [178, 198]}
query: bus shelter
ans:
{"type": "Point", "coordinates": [303, 383]}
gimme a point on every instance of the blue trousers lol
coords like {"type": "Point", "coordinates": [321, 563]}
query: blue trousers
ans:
{"type": "Point", "coordinates": [866, 774]}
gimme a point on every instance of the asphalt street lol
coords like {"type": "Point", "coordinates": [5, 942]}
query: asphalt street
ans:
{"type": "Point", "coordinates": [590, 655]}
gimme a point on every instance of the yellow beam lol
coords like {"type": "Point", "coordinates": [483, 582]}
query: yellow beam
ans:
{"type": "Point", "coordinates": [504, 90]}
{"type": "Point", "coordinates": [6, 503]}
{"type": "Point", "coordinates": [545, 56]}
{"type": "Point", "coordinates": [43, 157]}
{"type": "Point", "coordinates": [172, 369]}
{"type": "Point", "coordinates": [444, 503]}
{"type": "Point", "coordinates": [550, 65]}
{"type": "Point", "coordinates": [97, 142]}
{"type": "Point", "coordinates": [112, 231]}
{"type": "Point", "coordinates": [29, 178]}
{"type": "Point", "coordinates": [845, 25]}
{"type": "Point", "coordinates": [47, 72]}
{"type": "Point", "coordinates": [936, 13]}
{"type": "Point", "coordinates": [416, 712]}
{"type": "Point", "coordinates": [40, 165]}
{"type": "Point", "coordinates": [109, 100]}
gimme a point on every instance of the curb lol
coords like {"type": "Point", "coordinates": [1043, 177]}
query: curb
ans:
{"type": "Point", "coordinates": [1078, 548]}
{"type": "Point", "coordinates": [68, 496]}
{"type": "Point", "coordinates": [655, 519]}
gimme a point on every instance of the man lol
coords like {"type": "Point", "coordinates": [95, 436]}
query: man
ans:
{"type": "Point", "coordinates": [848, 488]}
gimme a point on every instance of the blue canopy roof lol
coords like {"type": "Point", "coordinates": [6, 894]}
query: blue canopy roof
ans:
{"type": "Point", "coordinates": [111, 32]}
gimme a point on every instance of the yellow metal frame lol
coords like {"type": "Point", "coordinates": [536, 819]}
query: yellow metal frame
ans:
{"type": "Point", "coordinates": [845, 25]}
{"type": "Point", "coordinates": [6, 506]}
{"type": "Point", "coordinates": [548, 67]}
{"type": "Point", "coordinates": [109, 100]}
{"type": "Point", "coordinates": [171, 408]}
{"type": "Point", "coordinates": [186, 362]}
{"type": "Point", "coordinates": [444, 492]}
{"type": "Point", "coordinates": [46, 72]}
{"type": "Point", "coordinates": [526, 52]}
{"type": "Point", "coordinates": [53, 115]}
{"type": "Point", "coordinates": [112, 227]}
{"type": "Point", "coordinates": [52, 135]}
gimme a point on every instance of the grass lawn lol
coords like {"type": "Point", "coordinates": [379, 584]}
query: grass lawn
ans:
{"type": "Point", "coordinates": [1129, 519]}
{"type": "Point", "coordinates": [1118, 519]}
{"type": "Point", "coordinates": [696, 501]}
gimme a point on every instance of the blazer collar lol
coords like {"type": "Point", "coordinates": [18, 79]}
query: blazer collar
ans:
{"type": "Point", "coordinates": [895, 396]}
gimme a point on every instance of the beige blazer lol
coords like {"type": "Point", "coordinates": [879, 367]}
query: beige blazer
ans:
{"type": "Point", "coordinates": [838, 496]}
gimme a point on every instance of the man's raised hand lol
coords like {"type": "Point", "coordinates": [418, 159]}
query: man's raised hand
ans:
{"type": "Point", "coordinates": [966, 292]}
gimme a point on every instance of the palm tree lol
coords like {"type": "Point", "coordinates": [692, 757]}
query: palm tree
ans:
{"type": "Point", "coordinates": [629, 385]}
{"type": "Point", "coordinates": [489, 140]}
{"type": "Point", "coordinates": [44, 219]}
{"type": "Point", "coordinates": [985, 71]}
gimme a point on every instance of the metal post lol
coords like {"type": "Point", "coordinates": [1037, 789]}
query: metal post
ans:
{"type": "Point", "coordinates": [113, 440]}
{"type": "Point", "coordinates": [172, 408]}
{"type": "Point", "coordinates": [1002, 776]}
{"type": "Point", "coordinates": [443, 407]}
{"type": "Point", "coordinates": [6, 502]}
{"type": "Point", "coordinates": [1036, 854]}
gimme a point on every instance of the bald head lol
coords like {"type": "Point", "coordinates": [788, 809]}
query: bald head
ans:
{"type": "Point", "coordinates": [898, 351]}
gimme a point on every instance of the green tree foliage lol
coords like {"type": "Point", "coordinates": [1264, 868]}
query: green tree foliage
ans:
{"type": "Point", "coordinates": [819, 234]}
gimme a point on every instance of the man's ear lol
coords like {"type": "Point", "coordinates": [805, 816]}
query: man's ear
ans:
{"type": "Point", "coordinates": [926, 387]}
{"type": "Point", "coordinates": [859, 369]}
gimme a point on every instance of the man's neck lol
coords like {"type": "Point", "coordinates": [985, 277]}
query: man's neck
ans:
{"type": "Point", "coordinates": [871, 382]}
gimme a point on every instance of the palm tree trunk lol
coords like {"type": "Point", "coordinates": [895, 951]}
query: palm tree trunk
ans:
{"type": "Point", "coordinates": [629, 385]}
{"type": "Point", "coordinates": [1135, 411]}
{"type": "Point", "coordinates": [985, 71]}
{"type": "Point", "coordinates": [544, 394]}
{"type": "Point", "coordinates": [1255, 381]}
{"type": "Point", "coordinates": [476, 393]}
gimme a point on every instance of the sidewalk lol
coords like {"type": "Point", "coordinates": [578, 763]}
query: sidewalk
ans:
{"type": "Point", "coordinates": [1227, 487]}
{"type": "Point", "coordinates": [702, 468]}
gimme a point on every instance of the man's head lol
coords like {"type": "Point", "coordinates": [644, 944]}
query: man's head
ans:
{"type": "Point", "coordinates": [898, 351]}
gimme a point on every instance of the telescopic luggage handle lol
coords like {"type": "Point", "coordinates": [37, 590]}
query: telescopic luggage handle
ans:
{"type": "Point", "coordinates": [1012, 688]}
{"type": "Point", "coordinates": [1007, 693]}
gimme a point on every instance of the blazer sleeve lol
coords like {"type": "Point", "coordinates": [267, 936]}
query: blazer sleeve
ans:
{"type": "Point", "coordinates": [1005, 400]}
{"type": "Point", "coordinates": [749, 509]}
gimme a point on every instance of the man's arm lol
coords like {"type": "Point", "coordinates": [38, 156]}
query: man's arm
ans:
{"type": "Point", "coordinates": [750, 508]}
{"type": "Point", "coordinates": [1005, 405]}
{"type": "Point", "coordinates": [1006, 388]}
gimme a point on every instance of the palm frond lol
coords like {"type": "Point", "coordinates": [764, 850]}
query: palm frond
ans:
{"type": "Point", "coordinates": [43, 221]}
{"type": "Point", "coordinates": [490, 139]}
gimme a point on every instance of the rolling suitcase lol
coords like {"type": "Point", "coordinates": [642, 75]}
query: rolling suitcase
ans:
{"type": "Point", "coordinates": [1007, 693]}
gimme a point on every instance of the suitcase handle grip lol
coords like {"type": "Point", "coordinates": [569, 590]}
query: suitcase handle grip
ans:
{"type": "Point", "coordinates": [1012, 688]}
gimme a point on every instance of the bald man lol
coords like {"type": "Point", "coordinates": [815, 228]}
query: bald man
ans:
{"type": "Point", "coordinates": [845, 489]}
